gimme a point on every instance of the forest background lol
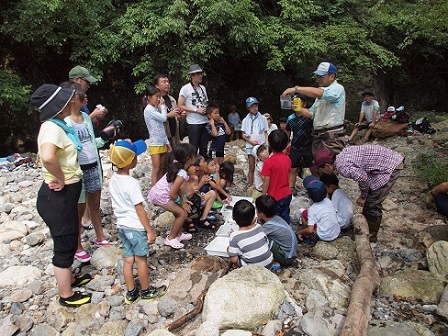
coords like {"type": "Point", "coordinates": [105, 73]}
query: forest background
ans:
{"type": "Point", "coordinates": [398, 49]}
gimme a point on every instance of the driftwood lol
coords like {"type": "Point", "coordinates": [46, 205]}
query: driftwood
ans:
{"type": "Point", "coordinates": [368, 280]}
{"type": "Point", "coordinates": [197, 308]}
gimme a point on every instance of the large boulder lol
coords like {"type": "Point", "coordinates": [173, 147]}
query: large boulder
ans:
{"type": "Point", "coordinates": [415, 284]}
{"type": "Point", "coordinates": [228, 299]}
{"type": "Point", "coordinates": [12, 230]}
{"type": "Point", "coordinates": [393, 328]}
{"type": "Point", "coordinates": [106, 257]}
{"type": "Point", "coordinates": [437, 256]}
{"type": "Point", "coordinates": [388, 128]}
{"type": "Point", "coordinates": [19, 276]}
{"type": "Point", "coordinates": [342, 249]}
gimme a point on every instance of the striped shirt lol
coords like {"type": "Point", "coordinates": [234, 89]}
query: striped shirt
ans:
{"type": "Point", "coordinates": [369, 165]}
{"type": "Point", "coordinates": [251, 246]}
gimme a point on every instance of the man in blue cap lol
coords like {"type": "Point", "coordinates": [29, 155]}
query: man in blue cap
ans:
{"type": "Point", "coordinates": [328, 110]}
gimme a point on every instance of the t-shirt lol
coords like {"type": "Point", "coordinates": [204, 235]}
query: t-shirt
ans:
{"type": "Point", "coordinates": [125, 192]}
{"type": "Point", "coordinates": [251, 246]}
{"type": "Point", "coordinates": [277, 167]}
{"type": "Point", "coordinates": [195, 99]}
{"type": "Point", "coordinates": [300, 128]}
{"type": "Point", "coordinates": [369, 108]}
{"type": "Point", "coordinates": [88, 153]}
{"type": "Point", "coordinates": [219, 141]}
{"type": "Point", "coordinates": [343, 206]}
{"type": "Point", "coordinates": [323, 215]}
{"type": "Point", "coordinates": [271, 128]}
{"type": "Point", "coordinates": [66, 153]}
{"type": "Point", "coordinates": [154, 120]}
{"type": "Point", "coordinates": [234, 119]}
{"type": "Point", "coordinates": [279, 231]}
{"type": "Point", "coordinates": [329, 110]}
{"type": "Point", "coordinates": [255, 128]}
{"type": "Point", "coordinates": [258, 181]}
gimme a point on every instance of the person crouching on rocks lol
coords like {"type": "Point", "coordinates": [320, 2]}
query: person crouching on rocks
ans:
{"type": "Point", "coordinates": [57, 199]}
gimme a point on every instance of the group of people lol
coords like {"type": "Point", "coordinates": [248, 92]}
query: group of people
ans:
{"type": "Point", "coordinates": [190, 184]}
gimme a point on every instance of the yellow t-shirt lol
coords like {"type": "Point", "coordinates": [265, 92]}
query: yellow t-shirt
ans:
{"type": "Point", "coordinates": [66, 153]}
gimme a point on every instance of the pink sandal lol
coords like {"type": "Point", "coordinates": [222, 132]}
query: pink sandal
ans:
{"type": "Point", "coordinates": [184, 236]}
{"type": "Point", "coordinates": [174, 243]}
{"type": "Point", "coordinates": [103, 242]}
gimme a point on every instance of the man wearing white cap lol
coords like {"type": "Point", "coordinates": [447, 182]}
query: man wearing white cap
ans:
{"type": "Point", "coordinates": [193, 99]}
{"type": "Point", "coordinates": [328, 110]}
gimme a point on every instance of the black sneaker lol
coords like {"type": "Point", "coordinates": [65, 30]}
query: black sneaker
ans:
{"type": "Point", "coordinates": [76, 300]}
{"type": "Point", "coordinates": [153, 292]}
{"type": "Point", "coordinates": [131, 296]}
{"type": "Point", "coordinates": [81, 279]}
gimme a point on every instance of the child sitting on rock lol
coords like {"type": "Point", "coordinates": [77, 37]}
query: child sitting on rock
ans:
{"type": "Point", "coordinates": [132, 221]}
{"type": "Point", "coordinates": [248, 245]}
{"type": "Point", "coordinates": [320, 219]}
{"type": "Point", "coordinates": [281, 237]}
{"type": "Point", "coordinates": [261, 153]}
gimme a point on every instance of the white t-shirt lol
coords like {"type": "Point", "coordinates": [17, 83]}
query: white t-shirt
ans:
{"type": "Point", "coordinates": [88, 153]}
{"type": "Point", "coordinates": [368, 109]}
{"type": "Point", "coordinates": [258, 180]}
{"type": "Point", "coordinates": [343, 206]}
{"type": "Point", "coordinates": [126, 193]}
{"type": "Point", "coordinates": [195, 99]}
{"type": "Point", "coordinates": [324, 216]}
{"type": "Point", "coordinates": [273, 127]}
{"type": "Point", "coordinates": [255, 128]}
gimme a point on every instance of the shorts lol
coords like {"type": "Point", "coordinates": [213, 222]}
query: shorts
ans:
{"type": "Point", "coordinates": [59, 210]}
{"type": "Point", "coordinates": [135, 243]}
{"type": "Point", "coordinates": [91, 182]}
{"type": "Point", "coordinates": [214, 154]}
{"type": "Point", "coordinates": [157, 149]}
{"type": "Point", "coordinates": [279, 254]}
{"type": "Point", "coordinates": [364, 125]}
{"type": "Point", "coordinates": [300, 159]}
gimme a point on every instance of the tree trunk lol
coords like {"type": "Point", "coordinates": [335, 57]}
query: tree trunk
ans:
{"type": "Point", "coordinates": [368, 280]}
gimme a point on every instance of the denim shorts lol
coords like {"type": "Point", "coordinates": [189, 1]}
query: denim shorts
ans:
{"type": "Point", "coordinates": [135, 243]}
{"type": "Point", "coordinates": [91, 182]}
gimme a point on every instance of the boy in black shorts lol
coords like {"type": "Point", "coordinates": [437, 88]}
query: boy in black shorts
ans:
{"type": "Point", "coordinates": [300, 154]}
{"type": "Point", "coordinates": [218, 129]}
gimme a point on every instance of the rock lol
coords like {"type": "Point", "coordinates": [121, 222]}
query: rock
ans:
{"type": "Point", "coordinates": [59, 316]}
{"type": "Point", "coordinates": [87, 316]}
{"type": "Point", "coordinates": [387, 129]}
{"type": "Point", "coordinates": [106, 257]}
{"type": "Point", "coordinates": [393, 328]}
{"type": "Point", "coordinates": [236, 333]}
{"type": "Point", "coordinates": [19, 276]}
{"type": "Point", "coordinates": [164, 221]}
{"type": "Point", "coordinates": [8, 328]}
{"type": "Point", "coordinates": [21, 295]}
{"type": "Point", "coordinates": [12, 230]}
{"type": "Point", "coordinates": [35, 239]}
{"type": "Point", "coordinates": [208, 329]}
{"type": "Point", "coordinates": [161, 332]}
{"type": "Point", "coordinates": [315, 299]}
{"type": "Point", "coordinates": [389, 205]}
{"type": "Point", "coordinates": [100, 283]}
{"type": "Point", "coordinates": [6, 207]}
{"type": "Point", "coordinates": [24, 323]}
{"type": "Point", "coordinates": [438, 232]}
{"type": "Point", "coordinates": [342, 249]}
{"type": "Point", "coordinates": [225, 304]}
{"type": "Point", "coordinates": [208, 264]}
{"type": "Point", "coordinates": [272, 328]}
{"type": "Point", "coordinates": [113, 328]}
{"type": "Point", "coordinates": [322, 322]}
{"type": "Point", "coordinates": [413, 284]}
{"type": "Point", "coordinates": [44, 330]}
{"type": "Point", "coordinates": [437, 256]}
{"type": "Point", "coordinates": [104, 308]}
{"type": "Point", "coordinates": [36, 287]}
{"type": "Point", "coordinates": [442, 308]}
{"type": "Point", "coordinates": [4, 250]}
{"type": "Point", "coordinates": [408, 255]}
{"type": "Point", "coordinates": [167, 306]}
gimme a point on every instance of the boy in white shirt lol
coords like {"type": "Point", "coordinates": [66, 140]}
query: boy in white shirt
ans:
{"type": "Point", "coordinates": [132, 221]}
{"type": "Point", "coordinates": [320, 219]}
{"type": "Point", "coordinates": [342, 204]}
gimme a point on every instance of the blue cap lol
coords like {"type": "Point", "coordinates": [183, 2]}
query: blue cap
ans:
{"type": "Point", "coordinates": [251, 100]}
{"type": "Point", "coordinates": [325, 68]}
{"type": "Point", "coordinates": [315, 188]}
{"type": "Point", "coordinates": [123, 152]}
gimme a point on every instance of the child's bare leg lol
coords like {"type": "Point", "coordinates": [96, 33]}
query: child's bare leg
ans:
{"type": "Point", "coordinates": [219, 160]}
{"type": "Point", "coordinates": [355, 131]}
{"type": "Point", "coordinates": [250, 174]}
{"type": "Point", "coordinates": [156, 173]}
{"type": "Point", "coordinates": [81, 209]}
{"type": "Point", "coordinates": [142, 271]}
{"type": "Point", "coordinates": [180, 217]}
{"type": "Point", "coordinates": [367, 136]}
{"type": "Point", "coordinates": [210, 197]}
{"type": "Point", "coordinates": [93, 201]}
{"type": "Point", "coordinates": [292, 177]}
{"type": "Point", "coordinates": [127, 272]}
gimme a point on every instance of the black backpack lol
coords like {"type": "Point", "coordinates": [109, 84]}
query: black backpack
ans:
{"type": "Point", "coordinates": [423, 126]}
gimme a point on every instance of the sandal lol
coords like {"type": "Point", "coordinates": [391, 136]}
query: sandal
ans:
{"type": "Point", "coordinates": [204, 224]}
{"type": "Point", "coordinates": [103, 242]}
{"type": "Point", "coordinates": [173, 243]}
{"type": "Point", "coordinates": [87, 227]}
{"type": "Point", "coordinates": [184, 236]}
{"type": "Point", "coordinates": [190, 227]}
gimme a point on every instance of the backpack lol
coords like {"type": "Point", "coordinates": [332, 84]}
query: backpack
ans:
{"type": "Point", "coordinates": [401, 115]}
{"type": "Point", "coordinates": [423, 126]}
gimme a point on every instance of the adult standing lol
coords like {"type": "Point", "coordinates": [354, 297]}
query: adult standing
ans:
{"type": "Point", "coordinates": [328, 110]}
{"type": "Point", "coordinates": [193, 99]}
{"type": "Point", "coordinates": [162, 82]}
{"type": "Point", "coordinates": [58, 196]}
{"type": "Point", "coordinates": [368, 116]}
{"type": "Point", "coordinates": [376, 170]}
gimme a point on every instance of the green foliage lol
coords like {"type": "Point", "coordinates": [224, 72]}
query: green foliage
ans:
{"type": "Point", "coordinates": [431, 169]}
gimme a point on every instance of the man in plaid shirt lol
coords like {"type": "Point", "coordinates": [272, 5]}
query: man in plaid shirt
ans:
{"type": "Point", "coordinates": [374, 167]}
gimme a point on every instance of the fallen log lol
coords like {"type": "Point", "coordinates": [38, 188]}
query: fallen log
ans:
{"type": "Point", "coordinates": [368, 280]}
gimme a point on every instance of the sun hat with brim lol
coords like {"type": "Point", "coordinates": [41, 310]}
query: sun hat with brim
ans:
{"type": "Point", "coordinates": [51, 99]}
{"type": "Point", "coordinates": [391, 109]}
{"type": "Point", "coordinates": [195, 68]}
{"type": "Point", "coordinates": [81, 72]}
{"type": "Point", "coordinates": [325, 68]}
{"type": "Point", "coordinates": [267, 116]}
{"type": "Point", "coordinates": [317, 191]}
{"type": "Point", "coordinates": [123, 152]}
